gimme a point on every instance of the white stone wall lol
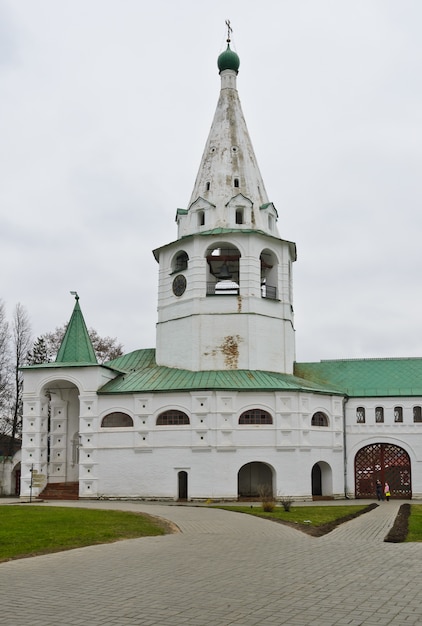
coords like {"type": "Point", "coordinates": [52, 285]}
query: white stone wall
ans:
{"type": "Point", "coordinates": [407, 435]}
{"type": "Point", "coordinates": [144, 461]}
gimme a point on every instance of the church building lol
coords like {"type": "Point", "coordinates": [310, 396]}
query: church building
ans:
{"type": "Point", "coordinates": [220, 409]}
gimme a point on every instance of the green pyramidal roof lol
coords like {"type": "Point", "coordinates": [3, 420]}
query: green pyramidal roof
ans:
{"type": "Point", "coordinates": [76, 346]}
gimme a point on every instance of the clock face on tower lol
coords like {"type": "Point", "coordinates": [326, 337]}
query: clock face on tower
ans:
{"type": "Point", "coordinates": [179, 285]}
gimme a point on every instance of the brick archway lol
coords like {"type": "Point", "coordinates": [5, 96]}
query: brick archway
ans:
{"type": "Point", "coordinates": [384, 462]}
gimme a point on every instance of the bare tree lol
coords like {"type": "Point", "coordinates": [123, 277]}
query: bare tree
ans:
{"type": "Point", "coordinates": [4, 368]}
{"type": "Point", "coordinates": [21, 344]}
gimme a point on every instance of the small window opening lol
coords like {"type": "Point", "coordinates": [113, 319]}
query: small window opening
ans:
{"type": "Point", "coordinates": [379, 415]}
{"type": "Point", "coordinates": [360, 415]}
{"type": "Point", "coordinates": [319, 419]}
{"type": "Point", "coordinates": [207, 186]}
{"type": "Point", "coordinates": [417, 414]}
{"type": "Point", "coordinates": [181, 262]}
{"type": "Point", "coordinates": [236, 182]}
{"type": "Point", "coordinates": [239, 216]}
{"type": "Point", "coordinates": [398, 414]}
{"type": "Point", "coordinates": [201, 218]}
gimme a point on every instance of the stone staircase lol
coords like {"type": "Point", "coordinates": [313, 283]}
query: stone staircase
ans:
{"type": "Point", "coordinates": [60, 491]}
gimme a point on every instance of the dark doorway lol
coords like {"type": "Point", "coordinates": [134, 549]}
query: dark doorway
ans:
{"type": "Point", "coordinates": [316, 480]}
{"type": "Point", "coordinates": [252, 477]}
{"type": "Point", "coordinates": [384, 462]}
{"type": "Point", "coordinates": [183, 485]}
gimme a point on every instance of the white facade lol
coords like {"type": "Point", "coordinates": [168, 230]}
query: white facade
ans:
{"type": "Point", "coordinates": [221, 408]}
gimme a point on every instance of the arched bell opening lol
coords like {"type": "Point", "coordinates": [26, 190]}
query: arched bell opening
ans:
{"type": "Point", "coordinates": [269, 275]}
{"type": "Point", "coordinates": [223, 270]}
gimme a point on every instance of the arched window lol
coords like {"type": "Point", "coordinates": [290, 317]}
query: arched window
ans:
{"type": "Point", "coordinates": [180, 262]}
{"type": "Point", "coordinates": [117, 420]}
{"type": "Point", "coordinates": [319, 419]}
{"type": "Point", "coordinates": [360, 415]}
{"type": "Point", "coordinates": [255, 416]}
{"type": "Point", "coordinates": [417, 414]}
{"type": "Point", "coordinates": [172, 418]}
{"type": "Point", "coordinates": [201, 217]}
{"type": "Point", "coordinates": [398, 413]}
{"type": "Point", "coordinates": [379, 415]}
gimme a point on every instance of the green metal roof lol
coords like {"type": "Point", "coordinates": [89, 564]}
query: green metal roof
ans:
{"type": "Point", "coordinates": [367, 377]}
{"type": "Point", "coordinates": [76, 346]}
{"type": "Point", "coordinates": [141, 374]}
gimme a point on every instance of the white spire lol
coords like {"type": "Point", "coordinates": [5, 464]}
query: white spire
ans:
{"type": "Point", "coordinates": [229, 170]}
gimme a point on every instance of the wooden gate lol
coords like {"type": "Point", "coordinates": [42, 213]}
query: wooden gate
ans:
{"type": "Point", "coordinates": [384, 462]}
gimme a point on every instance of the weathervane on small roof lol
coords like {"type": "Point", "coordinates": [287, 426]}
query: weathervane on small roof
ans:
{"type": "Point", "coordinates": [75, 293]}
{"type": "Point", "coordinates": [229, 31]}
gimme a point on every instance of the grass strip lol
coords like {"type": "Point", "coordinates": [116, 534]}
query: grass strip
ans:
{"type": "Point", "coordinates": [314, 520]}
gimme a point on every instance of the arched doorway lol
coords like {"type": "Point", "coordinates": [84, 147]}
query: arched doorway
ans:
{"type": "Point", "coordinates": [316, 480]}
{"type": "Point", "coordinates": [60, 412]}
{"type": "Point", "coordinates": [321, 478]}
{"type": "Point", "coordinates": [252, 478]}
{"type": "Point", "coordinates": [387, 463]}
{"type": "Point", "coordinates": [182, 478]}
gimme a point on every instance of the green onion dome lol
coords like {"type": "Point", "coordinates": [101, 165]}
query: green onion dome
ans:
{"type": "Point", "coordinates": [228, 60]}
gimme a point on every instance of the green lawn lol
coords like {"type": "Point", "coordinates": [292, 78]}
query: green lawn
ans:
{"type": "Point", "coordinates": [415, 523]}
{"type": "Point", "coordinates": [27, 530]}
{"type": "Point", "coordinates": [302, 515]}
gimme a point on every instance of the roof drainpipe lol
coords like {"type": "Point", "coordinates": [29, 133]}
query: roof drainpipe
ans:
{"type": "Point", "coordinates": [345, 401]}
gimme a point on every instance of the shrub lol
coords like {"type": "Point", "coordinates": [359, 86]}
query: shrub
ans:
{"type": "Point", "coordinates": [286, 502]}
{"type": "Point", "coordinates": [267, 498]}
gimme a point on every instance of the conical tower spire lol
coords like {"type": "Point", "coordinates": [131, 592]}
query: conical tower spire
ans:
{"type": "Point", "coordinates": [228, 167]}
{"type": "Point", "coordinates": [76, 346]}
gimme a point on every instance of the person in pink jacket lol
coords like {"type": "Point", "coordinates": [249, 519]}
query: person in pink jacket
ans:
{"type": "Point", "coordinates": [387, 491]}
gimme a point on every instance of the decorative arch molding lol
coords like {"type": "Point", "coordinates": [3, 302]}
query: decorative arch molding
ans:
{"type": "Point", "coordinates": [54, 381]}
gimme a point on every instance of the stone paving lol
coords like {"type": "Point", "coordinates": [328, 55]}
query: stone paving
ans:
{"type": "Point", "coordinates": [222, 569]}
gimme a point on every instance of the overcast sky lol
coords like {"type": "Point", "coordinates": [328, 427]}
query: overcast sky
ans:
{"type": "Point", "coordinates": [105, 107]}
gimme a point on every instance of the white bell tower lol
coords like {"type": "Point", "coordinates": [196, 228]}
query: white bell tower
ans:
{"type": "Point", "coordinates": [225, 285]}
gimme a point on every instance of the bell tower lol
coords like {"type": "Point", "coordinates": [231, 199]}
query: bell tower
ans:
{"type": "Point", "coordinates": [225, 284]}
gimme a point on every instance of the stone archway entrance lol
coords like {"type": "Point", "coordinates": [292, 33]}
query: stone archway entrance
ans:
{"type": "Point", "coordinates": [321, 479]}
{"type": "Point", "coordinates": [384, 462]}
{"type": "Point", "coordinates": [60, 408]}
{"type": "Point", "coordinates": [252, 477]}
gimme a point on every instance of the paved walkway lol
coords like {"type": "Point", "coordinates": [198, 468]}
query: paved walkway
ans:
{"type": "Point", "coordinates": [222, 569]}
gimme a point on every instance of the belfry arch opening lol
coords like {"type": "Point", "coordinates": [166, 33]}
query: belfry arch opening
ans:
{"type": "Point", "coordinates": [223, 270]}
{"type": "Point", "coordinates": [385, 462]}
{"type": "Point", "coordinates": [269, 275]}
{"type": "Point", "coordinates": [253, 478]}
